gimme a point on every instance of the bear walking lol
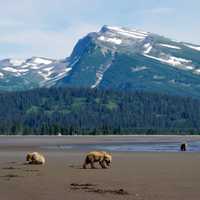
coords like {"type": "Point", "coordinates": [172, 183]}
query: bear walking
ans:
{"type": "Point", "coordinates": [183, 147]}
{"type": "Point", "coordinates": [103, 158]}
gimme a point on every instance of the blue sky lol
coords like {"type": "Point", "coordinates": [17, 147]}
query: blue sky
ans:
{"type": "Point", "coordinates": [50, 28]}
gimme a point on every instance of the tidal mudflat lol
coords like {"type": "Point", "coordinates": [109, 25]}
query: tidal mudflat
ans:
{"type": "Point", "coordinates": [136, 173]}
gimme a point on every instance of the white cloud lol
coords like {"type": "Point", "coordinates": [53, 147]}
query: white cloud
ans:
{"type": "Point", "coordinates": [44, 27]}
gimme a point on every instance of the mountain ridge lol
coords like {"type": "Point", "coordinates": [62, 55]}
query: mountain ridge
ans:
{"type": "Point", "coordinates": [121, 59]}
{"type": "Point", "coordinates": [134, 52]}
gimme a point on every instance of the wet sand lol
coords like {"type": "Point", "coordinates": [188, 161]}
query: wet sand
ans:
{"type": "Point", "coordinates": [139, 176]}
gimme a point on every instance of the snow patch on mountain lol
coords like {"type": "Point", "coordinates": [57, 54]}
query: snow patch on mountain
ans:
{"type": "Point", "coordinates": [105, 50]}
{"type": "Point", "coordinates": [148, 48]}
{"type": "Point", "coordinates": [10, 69]}
{"type": "Point", "coordinates": [50, 82]}
{"type": "Point", "coordinates": [170, 46]}
{"type": "Point", "coordinates": [1, 75]}
{"type": "Point", "coordinates": [197, 71]}
{"type": "Point", "coordinates": [35, 67]}
{"type": "Point", "coordinates": [138, 69]}
{"type": "Point", "coordinates": [129, 33]}
{"type": "Point", "coordinates": [193, 47]}
{"type": "Point", "coordinates": [25, 65]}
{"type": "Point", "coordinates": [100, 74]}
{"type": "Point", "coordinates": [75, 60]}
{"type": "Point", "coordinates": [23, 70]}
{"type": "Point", "coordinates": [112, 40]}
{"type": "Point", "coordinates": [14, 71]}
{"type": "Point", "coordinates": [45, 75]}
{"type": "Point", "coordinates": [48, 68]}
{"type": "Point", "coordinates": [157, 77]}
{"type": "Point", "coordinates": [42, 61]}
{"type": "Point", "coordinates": [171, 60]}
{"type": "Point", "coordinates": [189, 67]}
{"type": "Point", "coordinates": [62, 74]}
{"type": "Point", "coordinates": [16, 62]}
{"type": "Point", "coordinates": [178, 61]}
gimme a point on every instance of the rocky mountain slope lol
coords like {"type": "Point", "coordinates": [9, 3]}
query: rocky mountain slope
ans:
{"type": "Point", "coordinates": [128, 59]}
{"type": "Point", "coordinates": [116, 58]}
{"type": "Point", "coordinates": [32, 73]}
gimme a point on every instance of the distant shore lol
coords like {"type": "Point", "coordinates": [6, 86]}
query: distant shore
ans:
{"type": "Point", "coordinates": [32, 140]}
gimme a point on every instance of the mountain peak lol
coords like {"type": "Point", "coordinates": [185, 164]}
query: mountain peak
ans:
{"type": "Point", "coordinates": [124, 32]}
{"type": "Point", "coordinates": [132, 59]}
{"type": "Point", "coordinates": [121, 28]}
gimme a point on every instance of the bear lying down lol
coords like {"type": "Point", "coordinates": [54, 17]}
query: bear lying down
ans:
{"type": "Point", "coordinates": [35, 158]}
{"type": "Point", "coordinates": [102, 157]}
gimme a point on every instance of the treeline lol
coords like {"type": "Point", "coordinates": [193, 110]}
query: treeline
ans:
{"type": "Point", "coordinates": [86, 111]}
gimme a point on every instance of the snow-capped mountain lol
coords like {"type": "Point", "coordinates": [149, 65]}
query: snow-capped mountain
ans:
{"type": "Point", "coordinates": [117, 58]}
{"type": "Point", "coordinates": [130, 59]}
{"type": "Point", "coordinates": [16, 74]}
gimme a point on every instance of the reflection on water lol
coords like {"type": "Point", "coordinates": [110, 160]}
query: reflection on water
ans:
{"type": "Point", "coordinates": [132, 147]}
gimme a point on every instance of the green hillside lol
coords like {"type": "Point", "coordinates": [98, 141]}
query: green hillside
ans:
{"type": "Point", "coordinates": [93, 111]}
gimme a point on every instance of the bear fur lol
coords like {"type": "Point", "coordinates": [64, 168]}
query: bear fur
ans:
{"type": "Point", "coordinates": [35, 158]}
{"type": "Point", "coordinates": [102, 157]}
{"type": "Point", "coordinates": [183, 147]}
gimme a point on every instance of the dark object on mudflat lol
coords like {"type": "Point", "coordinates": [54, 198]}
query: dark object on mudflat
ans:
{"type": "Point", "coordinates": [86, 186]}
{"type": "Point", "coordinates": [81, 185]}
{"type": "Point", "coordinates": [118, 192]}
{"type": "Point", "coordinates": [31, 170]}
{"type": "Point", "coordinates": [183, 147]}
{"type": "Point", "coordinates": [9, 176]}
{"type": "Point", "coordinates": [9, 168]}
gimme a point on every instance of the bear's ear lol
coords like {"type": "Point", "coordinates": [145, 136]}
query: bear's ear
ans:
{"type": "Point", "coordinates": [28, 156]}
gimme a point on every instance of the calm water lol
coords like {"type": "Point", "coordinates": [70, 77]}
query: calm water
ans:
{"type": "Point", "coordinates": [131, 147]}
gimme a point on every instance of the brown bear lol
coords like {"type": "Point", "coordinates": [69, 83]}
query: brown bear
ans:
{"type": "Point", "coordinates": [183, 147]}
{"type": "Point", "coordinates": [102, 157]}
{"type": "Point", "coordinates": [35, 158]}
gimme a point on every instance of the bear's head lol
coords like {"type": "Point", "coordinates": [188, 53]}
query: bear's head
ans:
{"type": "Point", "coordinates": [29, 157]}
{"type": "Point", "coordinates": [108, 158]}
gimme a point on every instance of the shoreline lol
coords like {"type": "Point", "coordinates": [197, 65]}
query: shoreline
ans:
{"type": "Point", "coordinates": [17, 141]}
{"type": "Point", "coordinates": [132, 135]}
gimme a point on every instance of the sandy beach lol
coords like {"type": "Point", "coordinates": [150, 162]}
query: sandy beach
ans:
{"type": "Point", "coordinates": [133, 175]}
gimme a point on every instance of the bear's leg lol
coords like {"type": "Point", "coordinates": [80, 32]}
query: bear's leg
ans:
{"type": "Point", "coordinates": [33, 162]}
{"type": "Point", "coordinates": [84, 166]}
{"type": "Point", "coordinates": [92, 161]}
{"type": "Point", "coordinates": [102, 164]}
{"type": "Point", "coordinates": [87, 161]}
{"type": "Point", "coordinates": [92, 165]}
